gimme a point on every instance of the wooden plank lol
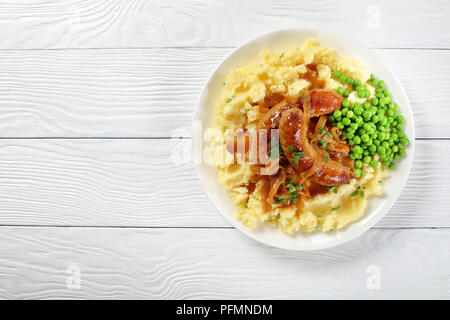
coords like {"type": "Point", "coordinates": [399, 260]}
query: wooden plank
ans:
{"type": "Point", "coordinates": [135, 183]}
{"type": "Point", "coordinates": [40, 263]}
{"type": "Point", "coordinates": [153, 92]}
{"type": "Point", "coordinates": [136, 23]}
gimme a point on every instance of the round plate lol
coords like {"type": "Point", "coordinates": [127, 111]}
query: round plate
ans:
{"type": "Point", "coordinates": [378, 206]}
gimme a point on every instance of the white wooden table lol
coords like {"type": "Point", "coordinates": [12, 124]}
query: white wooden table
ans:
{"type": "Point", "coordinates": [91, 205]}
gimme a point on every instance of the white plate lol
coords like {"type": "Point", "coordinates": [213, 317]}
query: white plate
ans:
{"type": "Point", "coordinates": [344, 46]}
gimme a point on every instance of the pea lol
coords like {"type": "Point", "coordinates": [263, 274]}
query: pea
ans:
{"type": "Point", "coordinates": [404, 141]}
{"type": "Point", "coordinates": [357, 149]}
{"type": "Point", "coordinates": [394, 149]}
{"type": "Point", "coordinates": [342, 78]}
{"type": "Point", "coordinates": [375, 82]}
{"type": "Point", "coordinates": [337, 74]}
{"type": "Point", "coordinates": [340, 125]}
{"type": "Point", "coordinates": [400, 119]}
{"type": "Point", "coordinates": [357, 173]}
{"type": "Point", "coordinates": [350, 81]}
{"type": "Point", "coordinates": [359, 120]}
{"type": "Point", "coordinates": [351, 156]}
{"type": "Point", "coordinates": [358, 164]}
{"type": "Point", "coordinates": [372, 148]}
{"type": "Point", "coordinates": [361, 94]}
{"type": "Point", "coordinates": [357, 110]}
{"type": "Point", "coordinates": [350, 114]}
{"type": "Point", "coordinates": [346, 103]}
{"type": "Point", "coordinates": [374, 163]}
{"type": "Point", "coordinates": [375, 119]}
{"type": "Point", "coordinates": [340, 90]}
{"type": "Point", "coordinates": [366, 105]}
{"type": "Point", "coordinates": [374, 101]}
{"type": "Point", "coordinates": [354, 126]}
{"type": "Point", "coordinates": [380, 84]}
{"type": "Point", "coordinates": [358, 82]}
{"type": "Point", "coordinates": [346, 121]}
{"type": "Point", "coordinates": [381, 150]}
{"type": "Point", "coordinates": [390, 113]}
{"type": "Point", "coordinates": [356, 140]}
{"type": "Point", "coordinates": [390, 119]}
{"type": "Point", "coordinates": [331, 118]}
{"type": "Point", "coordinates": [346, 93]}
{"type": "Point", "coordinates": [367, 114]}
{"type": "Point", "coordinates": [337, 114]}
{"type": "Point", "coordinates": [391, 165]}
{"type": "Point", "coordinates": [365, 137]}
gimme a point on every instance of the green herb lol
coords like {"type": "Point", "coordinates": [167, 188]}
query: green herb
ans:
{"type": "Point", "coordinates": [358, 191]}
{"type": "Point", "coordinates": [323, 144]}
{"type": "Point", "coordinates": [323, 131]}
{"type": "Point", "coordinates": [281, 55]}
{"type": "Point", "coordinates": [326, 158]}
{"type": "Point", "coordinates": [335, 208]}
{"type": "Point", "coordinates": [293, 197]}
{"type": "Point", "coordinates": [280, 198]}
{"type": "Point", "coordinates": [330, 134]}
{"type": "Point", "coordinates": [223, 84]}
{"type": "Point", "coordinates": [228, 100]}
{"type": "Point", "coordinates": [297, 156]}
{"type": "Point", "coordinates": [332, 189]}
{"type": "Point", "coordinates": [291, 148]}
{"type": "Point", "coordinates": [299, 188]}
{"type": "Point", "coordinates": [280, 150]}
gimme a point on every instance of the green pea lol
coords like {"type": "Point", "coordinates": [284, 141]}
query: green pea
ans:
{"type": "Point", "coordinates": [337, 74]}
{"type": "Point", "coordinates": [357, 173]}
{"type": "Point", "coordinates": [331, 118]}
{"type": "Point", "coordinates": [346, 93]}
{"type": "Point", "coordinates": [357, 149]}
{"type": "Point", "coordinates": [358, 82]}
{"type": "Point", "coordinates": [354, 126]}
{"type": "Point", "coordinates": [356, 140]}
{"type": "Point", "coordinates": [404, 141]}
{"type": "Point", "coordinates": [357, 110]}
{"type": "Point", "coordinates": [340, 90]}
{"type": "Point", "coordinates": [375, 119]}
{"type": "Point", "coordinates": [374, 163]}
{"type": "Point", "coordinates": [350, 114]}
{"type": "Point", "coordinates": [365, 152]}
{"type": "Point", "coordinates": [342, 78]}
{"type": "Point", "coordinates": [350, 80]}
{"type": "Point", "coordinates": [394, 149]}
{"type": "Point", "coordinates": [358, 164]}
{"type": "Point", "coordinates": [392, 165]}
{"type": "Point", "coordinates": [400, 119]}
{"type": "Point", "coordinates": [351, 156]}
{"type": "Point", "coordinates": [346, 103]}
{"type": "Point", "coordinates": [374, 101]}
{"type": "Point", "coordinates": [359, 120]}
{"type": "Point", "coordinates": [361, 94]}
{"type": "Point", "coordinates": [372, 148]}
{"type": "Point", "coordinates": [346, 121]}
{"type": "Point", "coordinates": [379, 95]}
{"type": "Point", "coordinates": [367, 114]}
{"type": "Point", "coordinates": [340, 125]}
{"type": "Point", "coordinates": [337, 114]}
{"type": "Point", "coordinates": [375, 82]}
{"type": "Point", "coordinates": [380, 83]}
{"type": "Point", "coordinates": [390, 113]}
{"type": "Point", "coordinates": [366, 105]}
{"type": "Point", "coordinates": [365, 137]}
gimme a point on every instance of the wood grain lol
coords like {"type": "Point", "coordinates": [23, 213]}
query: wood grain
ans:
{"type": "Point", "coordinates": [36, 263]}
{"type": "Point", "coordinates": [36, 24]}
{"type": "Point", "coordinates": [135, 183]}
{"type": "Point", "coordinates": [153, 92]}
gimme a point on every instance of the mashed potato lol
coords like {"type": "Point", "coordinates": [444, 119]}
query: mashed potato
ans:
{"type": "Point", "coordinates": [244, 87]}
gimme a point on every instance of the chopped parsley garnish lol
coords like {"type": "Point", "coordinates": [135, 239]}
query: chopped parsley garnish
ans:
{"type": "Point", "coordinates": [291, 148]}
{"type": "Point", "coordinates": [323, 144]}
{"type": "Point", "coordinates": [332, 189]}
{"type": "Point", "coordinates": [323, 131]}
{"type": "Point", "coordinates": [326, 158]}
{"type": "Point", "coordinates": [223, 84]}
{"type": "Point", "coordinates": [297, 156]}
{"type": "Point", "coordinates": [281, 198]}
{"type": "Point", "coordinates": [335, 208]}
{"type": "Point", "coordinates": [358, 191]}
{"type": "Point", "coordinates": [281, 55]}
{"type": "Point", "coordinates": [280, 150]}
{"type": "Point", "coordinates": [228, 100]}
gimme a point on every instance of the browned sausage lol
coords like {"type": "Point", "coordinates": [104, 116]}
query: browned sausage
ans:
{"type": "Point", "coordinates": [324, 102]}
{"type": "Point", "coordinates": [332, 173]}
{"type": "Point", "coordinates": [293, 138]}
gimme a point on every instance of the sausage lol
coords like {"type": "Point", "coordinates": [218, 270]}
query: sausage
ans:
{"type": "Point", "coordinates": [324, 102]}
{"type": "Point", "coordinates": [293, 138]}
